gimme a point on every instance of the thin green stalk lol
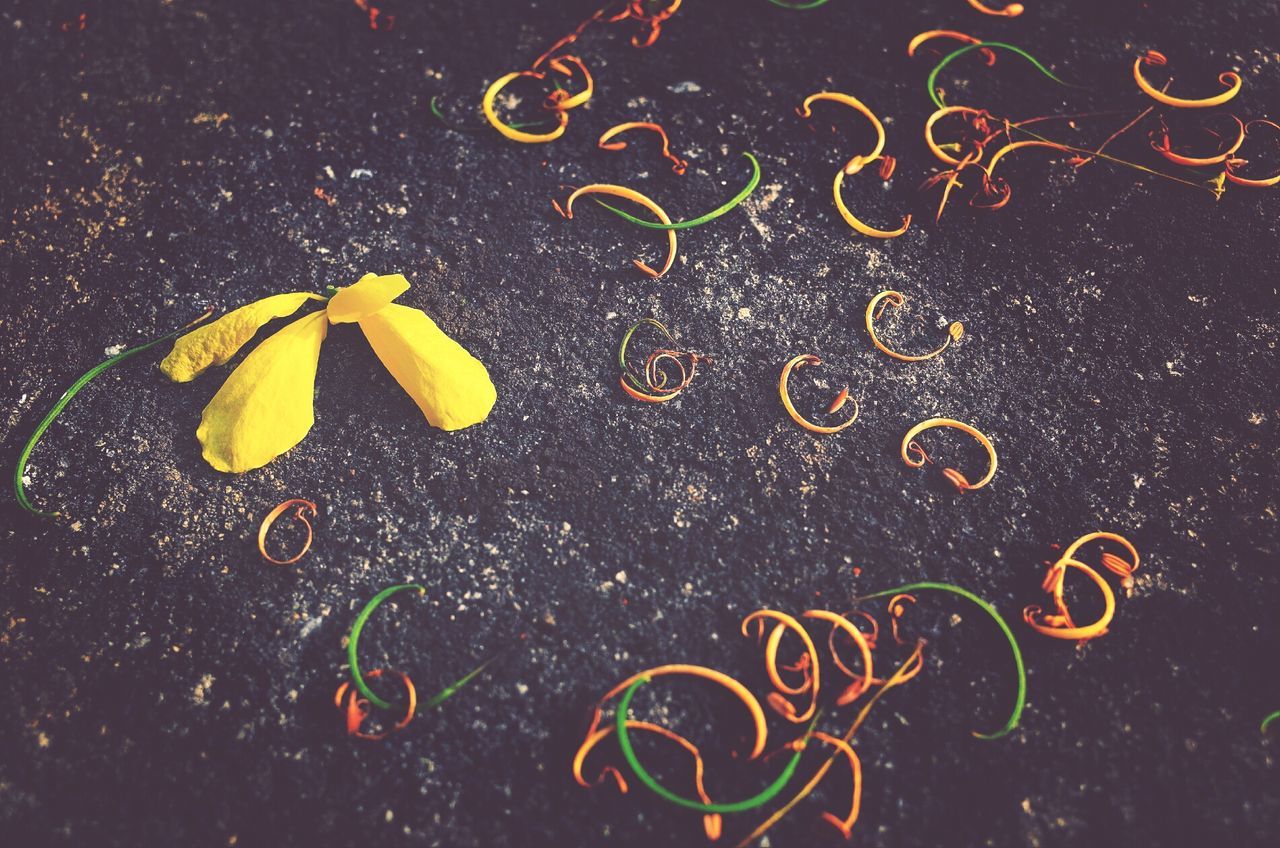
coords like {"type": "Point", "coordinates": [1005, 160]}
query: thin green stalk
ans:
{"type": "Point", "coordinates": [968, 48]}
{"type": "Point", "coordinates": [435, 110]}
{"type": "Point", "coordinates": [452, 689]}
{"type": "Point", "coordinates": [20, 470]}
{"type": "Point", "coordinates": [628, 752]}
{"type": "Point", "coordinates": [1266, 722]}
{"type": "Point", "coordinates": [1021, 699]}
{"type": "Point", "coordinates": [354, 640]}
{"type": "Point", "coordinates": [701, 219]}
{"type": "Point", "coordinates": [798, 7]}
{"type": "Point", "coordinates": [626, 339]}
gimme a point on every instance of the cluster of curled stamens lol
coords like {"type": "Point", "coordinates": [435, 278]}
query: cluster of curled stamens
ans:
{"type": "Point", "coordinates": [1059, 623]}
{"type": "Point", "coordinates": [802, 679]}
{"type": "Point", "coordinates": [657, 381]}
{"type": "Point", "coordinates": [802, 691]}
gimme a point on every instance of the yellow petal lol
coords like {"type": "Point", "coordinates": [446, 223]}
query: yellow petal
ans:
{"type": "Point", "coordinates": [265, 406]}
{"type": "Point", "coordinates": [450, 386]}
{"type": "Point", "coordinates": [366, 297]}
{"type": "Point", "coordinates": [216, 342]}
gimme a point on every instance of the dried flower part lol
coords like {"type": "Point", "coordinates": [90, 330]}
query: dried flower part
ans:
{"type": "Point", "coordinates": [857, 163]}
{"type": "Point", "coordinates": [559, 102]}
{"type": "Point", "coordinates": [652, 384]}
{"type": "Point", "coordinates": [1059, 624]}
{"type": "Point", "coordinates": [635, 197]}
{"type": "Point", "coordinates": [216, 342]}
{"type": "Point", "coordinates": [856, 223]}
{"type": "Point", "coordinates": [1153, 58]}
{"type": "Point", "coordinates": [886, 299]}
{"type": "Point", "coordinates": [913, 454]}
{"type": "Point", "coordinates": [809, 665]}
{"type": "Point", "coordinates": [356, 710]}
{"type": "Point", "coordinates": [1012, 10]}
{"type": "Point", "coordinates": [795, 363]}
{"type": "Point", "coordinates": [303, 507]}
{"type": "Point", "coordinates": [1232, 164]}
{"type": "Point", "coordinates": [678, 165]}
{"type": "Point", "coordinates": [919, 40]}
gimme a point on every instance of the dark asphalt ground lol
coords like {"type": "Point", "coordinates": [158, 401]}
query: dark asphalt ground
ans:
{"type": "Point", "coordinates": [164, 686]}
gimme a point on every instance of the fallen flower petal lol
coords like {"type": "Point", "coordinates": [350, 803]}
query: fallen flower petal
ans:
{"type": "Point", "coordinates": [218, 341]}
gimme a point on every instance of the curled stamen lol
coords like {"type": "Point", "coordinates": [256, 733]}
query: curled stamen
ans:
{"type": "Point", "coordinates": [1010, 11]}
{"type": "Point", "coordinates": [304, 506]}
{"type": "Point", "coordinates": [560, 100]}
{"type": "Point", "coordinates": [634, 197]}
{"type": "Point", "coordinates": [511, 132]}
{"type": "Point", "coordinates": [895, 299]}
{"type": "Point", "coordinates": [857, 163]}
{"type": "Point", "coordinates": [811, 683]}
{"type": "Point", "coordinates": [653, 388]}
{"type": "Point", "coordinates": [678, 165]}
{"type": "Point", "coordinates": [1059, 625]}
{"type": "Point", "coordinates": [1232, 164]}
{"type": "Point", "coordinates": [1117, 566]}
{"type": "Point", "coordinates": [858, 225]}
{"type": "Point", "coordinates": [1154, 58]}
{"type": "Point", "coordinates": [839, 623]}
{"type": "Point", "coordinates": [796, 363]}
{"type": "Point", "coordinates": [988, 55]}
{"type": "Point", "coordinates": [978, 115]}
{"type": "Point", "coordinates": [957, 479]}
{"type": "Point", "coordinates": [1163, 146]}
{"type": "Point", "coordinates": [897, 607]}
{"type": "Point", "coordinates": [356, 709]}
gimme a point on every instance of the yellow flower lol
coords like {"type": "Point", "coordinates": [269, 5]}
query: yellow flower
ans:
{"type": "Point", "coordinates": [266, 406]}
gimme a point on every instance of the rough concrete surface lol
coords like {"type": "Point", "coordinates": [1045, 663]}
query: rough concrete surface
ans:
{"type": "Point", "coordinates": [164, 686]}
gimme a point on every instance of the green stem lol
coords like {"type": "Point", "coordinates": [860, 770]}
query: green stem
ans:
{"type": "Point", "coordinates": [452, 689]}
{"type": "Point", "coordinates": [1266, 722]}
{"type": "Point", "coordinates": [354, 640]}
{"type": "Point", "coordinates": [968, 48]}
{"type": "Point", "coordinates": [702, 219]}
{"type": "Point", "coordinates": [626, 339]}
{"type": "Point", "coordinates": [628, 752]}
{"type": "Point", "coordinates": [1021, 699]}
{"type": "Point", "coordinates": [798, 7]}
{"type": "Point", "coordinates": [86, 378]}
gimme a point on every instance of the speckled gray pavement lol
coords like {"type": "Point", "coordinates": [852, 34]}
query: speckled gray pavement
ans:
{"type": "Point", "coordinates": [164, 686]}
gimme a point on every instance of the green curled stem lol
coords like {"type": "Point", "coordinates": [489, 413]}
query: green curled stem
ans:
{"type": "Point", "coordinates": [1267, 722]}
{"type": "Point", "coordinates": [20, 469]}
{"type": "Point", "coordinates": [969, 48]}
{"type": "Point", "coordinates": [450, 125]}
{"type": "Point", "coordinates": [353, 642]}
{"type": "Point", "coordinates": [628, 753]}
{"type": "Point", "coordinates": [1021, 699]}
{"type": "Point", "coordinates": [701, 219]}
{"type": "Point", "coordinates": [626, 339]}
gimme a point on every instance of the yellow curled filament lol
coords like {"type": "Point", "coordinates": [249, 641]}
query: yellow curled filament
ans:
{"type": "Point", "coordinates": [914, 455]}
{"type": "Point", "coordinates": [857, 163]}
{"type": "Point", "coordinates": [1228, 78]}
{"type": "Point", "coordinates": [1059, 624]}
{"type": "Point", "coordinates": [559, 101]}
{"type": "Point", "coordinates": [635, 197]}
{"type": "Point", "coordinates": [798, 362]}
{"type": "Point", "coordinates": [895, 299]}
{"type": "Point", "coordinates": [852, 221]}
{"type": "Point", "coordinates": [809, 665]}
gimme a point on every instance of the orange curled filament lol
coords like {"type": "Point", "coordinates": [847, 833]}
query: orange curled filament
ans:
{"type": "Point", "coordinates": [356, 709]}
{"type": "Point", "coordinates": [304, 506]}
{"type": "Point", "coordinates": [1117, 566]}
{"type": "Point", "coordinates": [678, 165]}
{"type": "Point", "coordinates": [856, 223]}
{"type": "Point", "coordinates": [1164, 147]}
{"type": "Point", "coordinates": [559, 101]}
{"type": "Point", "coordinates": [884, 300]}
{"type": "Point", "coordinates": [634, 197]}
{"type": "Point", "coordinates": [1230, 79]}
{"type": "Point", "coordinates": [857, 163]}
{"type": "Point", "coordinates": [1010, 11]}
{"type": "Point", "coordinates": [1233, 163]}
{"type": "Point", "coordinates": [652, 386]}
{"type": "Point", "coordinates": [711, 822]}
{"type": "Point", "coordinates": [1059, 625]}
{"type": "Point", "coordinates": [808, 665]}
{"type": "Point", "coordinates": [988, 55]}
{"type": "Point", "coordinates": [914, 455]}
{"type": "Point", "coordinates": [796, 363]}
{"type": "Point", "coordinates": [978, 121]}
{"type": "Point", "coordinates": [845, 825]}
{"type": "Point", "coordinates": [861, 682]}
